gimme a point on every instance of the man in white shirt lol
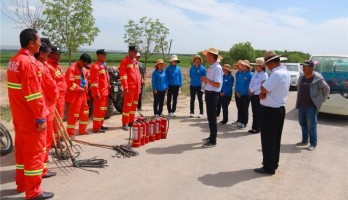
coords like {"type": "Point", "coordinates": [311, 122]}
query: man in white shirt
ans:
{"type": "Point", "coordinates": [274, 93]}
{"type": "Point", "coordinates": [212, 88]}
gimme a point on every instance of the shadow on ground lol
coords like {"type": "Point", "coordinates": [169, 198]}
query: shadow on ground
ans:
{"type": "Point", "coordinates": [288, 148]}
{"type": "Point", "coordinates": [175, 149]}
{"type": "Point", "coordinates": [228, 179]}
{"type": "Point", "coordinates": [8, 160]}
{"type": "Point", "coordinates": [6, 194]}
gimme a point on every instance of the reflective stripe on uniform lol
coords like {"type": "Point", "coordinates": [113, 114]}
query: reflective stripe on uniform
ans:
{"type": "Point", "coordinates": [129, 104]}
{"type": "Point", "coordinates": [76, 115]}
{"type": "Point", "coordinates": [132, 112]}
{"type": "Point", "coordinates": [77, 77]}
{"type": "Point", "coordinates": [130, 66]}
{"type": "Point", "coordinates": [125, 114]}
{"type": "Point", "coordinates": [73, 86]}
{"type": "Point", "coordinates": [15, 86]}
{"type": "Point", "coordinates": [33, 172]}
{"type": "Point", "coordinates": [86, 112]}
{"type": "Point", "coordinates": [45, 165]}
{"type": "Point", "coordinates": [70, 126]}
{"type": "Point", "coordinates": [124, 77]}
{"type": "Point", "coordinates": [39, 73]}
{"type": "Point", "coordinates": [98, 119]}
{"type": "Point", "coordinates": [44, 150]}
{"type": "Point", "coordinates": [83, 122]}
{"type": "Point", "coordinates": [94, 85]}
{"type": "Point", "coordinates": [103, 108]}
{"type": "Point", "coordinates": [102, 71]}
{"type": "Point", "coordinates": [19, 166]}
{"type": "Point", "coordinates": [33, 96]}
{"type": "Point", "coordinates": [58, 73]}
{"type": "Point", "coordinates": [135, 102]}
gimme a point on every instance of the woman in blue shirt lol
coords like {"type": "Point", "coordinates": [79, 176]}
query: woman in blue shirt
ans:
{"type": "Point", "coordinates": [225, 93]}
{"type": "Point", "coordinates": [197, 70]}
{"type": "Point", "coordinates": [242, 86]}
{"type": "Point", "coordinates": [174, 76]}
{"type": "Point", "coordinates": [254, 91]}
{"type": "Point", "coordinates": [159, 87]}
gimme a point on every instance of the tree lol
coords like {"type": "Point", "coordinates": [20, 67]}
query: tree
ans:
{"type": "Point", "coordinates": [69, 23]}
{"type": "Point", "coordinates": [22, 13]}
{"type": "Point", "coordinates": [148, 35]}
{"type": "Point", "coordinates": [242, 51]}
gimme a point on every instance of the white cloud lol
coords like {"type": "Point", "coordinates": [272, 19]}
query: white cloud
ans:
{"type": "Point", "coordinates": [199, 24]}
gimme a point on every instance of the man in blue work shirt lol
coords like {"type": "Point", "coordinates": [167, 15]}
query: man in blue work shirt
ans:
{"type": "Point", "coordinates": [174, 76]}
{"type": "Point", "coordinates": [197, 70]}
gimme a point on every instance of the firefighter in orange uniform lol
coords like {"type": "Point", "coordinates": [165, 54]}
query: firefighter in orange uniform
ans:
{"type": "Point", "coordinates": [100, 88]}
{"type": "Point", "coordinates": [131, 85]}
{"type": "Point", "coordinates": [50, 92]}
{"type": "Point", "coordinates": [76, 96]}
{"type": "Point", "coordinates": [53, 60]}
{"type": "Point", "coordinates": [29, 114]}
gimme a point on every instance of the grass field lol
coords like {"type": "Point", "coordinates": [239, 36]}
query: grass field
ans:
{"type": "Point", "coordinates": [113, 59]}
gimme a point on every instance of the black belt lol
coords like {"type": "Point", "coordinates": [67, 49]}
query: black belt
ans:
{"type": "Point", "coordinates": [210, 92]}
{"type": "Point", "coordinates": [281, 107]}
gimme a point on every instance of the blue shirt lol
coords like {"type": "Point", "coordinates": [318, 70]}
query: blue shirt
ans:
{"type": "Point", "coordinates": [196, 74]}
{"type": "Point", "coordinates": [255, 83]}
{"type": "Point", "coordinates": [174, 75]}
{"type": "Point", "coordinates": [214, 74]}
{"type": "Point", "coordinates": [227, 85]}
{"type": "Point", "coordinates": [242, 82]}
{"type": "Point", "coordinates": [159, 80]}
{"type": "Point", "coordinates": [277, 85]}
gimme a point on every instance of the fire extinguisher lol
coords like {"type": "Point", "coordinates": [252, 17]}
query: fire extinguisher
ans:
{"type": "Point", "coordinates": [146, 122]}
{"type": "Point", "coordinates": [157, 127]}
{"type": "Point", "coordinates": [142, 130]}
{"type": "Point", "coordinates": [164, 127]}
{"type": "Point", "coordinates": [152, 125]}
{"type": "Point", "coordinates": [136, 134]}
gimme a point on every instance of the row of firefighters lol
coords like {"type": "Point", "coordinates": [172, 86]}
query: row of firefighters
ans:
{"type": "Point", "coordinates": [37, 87]}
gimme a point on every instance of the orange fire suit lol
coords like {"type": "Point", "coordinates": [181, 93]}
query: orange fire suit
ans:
{"type": "Point", "coordinates": [76, 96]}
{"type": "Point", "coordinates": [131, 81]}
{"type": "Point", "coordinates": [60, 81]}
{"type": "Point", "coordinates": [27, 105]}
{"type": "Point", "coordinates": [50, 92]}
{"type": "Point", "coordinates": [100, 88]}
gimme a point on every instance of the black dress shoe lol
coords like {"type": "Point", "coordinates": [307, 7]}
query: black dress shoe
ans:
{"type": "Point", "coordinates": [44, 195]}
{"type": "Point", "coordinates": [49, 174]}
{"type": "Point", "coordinates": [253, 131]}
{"type": "Point", "coordinates": [104, 128]}
{"type": "Point", "coordinates": [263, 170]}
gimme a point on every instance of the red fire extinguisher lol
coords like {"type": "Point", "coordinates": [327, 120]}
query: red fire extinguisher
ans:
{"type": "Point", "coordinates": [164, 127]}
{"type": "Point", "coordinates": [152, 125]}
{"type": "Point", "coordinates": [147, 139]}
{"type": "Point", "coordinates": [142, 129]}
{"type": "Point", "coordinates": [136, 134]}
{"type": "Point", "coordinates": [158, 129]}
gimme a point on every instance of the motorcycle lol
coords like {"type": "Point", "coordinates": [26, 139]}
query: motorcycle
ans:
{"type": "Point", "coordinates": [6, 143]}
{"type": "Point", "coordinates": [116, 94]}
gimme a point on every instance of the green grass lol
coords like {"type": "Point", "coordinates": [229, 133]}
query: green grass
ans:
{"type": "Point", "coordinates": [5, 113]}
{"type": "Point", "coordinates": [113, 59]}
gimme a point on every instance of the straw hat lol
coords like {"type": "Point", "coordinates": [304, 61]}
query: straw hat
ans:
{"type": "Point", "coordinates": [213, 51]}
{"type": "Point", "coordinates": [138, 54]}
{"type": "Point", "coordinates": [174, 58]}
{"type": "Point", "coordinates": [270, 55]}
{"type": "Point", "coordinates": [237, 63]}
{"type": "Point", "coordinates": [159, 61]}
{"type": "Point", "coordinates": [259, 61]}
{"type": "Point", "coordinates": [246, 63]}
{"type": "Point", "coordinates": [199, 57]}
{"type": "Point", "coordinates": [227, 67]}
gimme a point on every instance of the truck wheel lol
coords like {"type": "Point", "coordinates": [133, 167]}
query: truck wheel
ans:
{"type": "Point", "coordinates": [6, 143]}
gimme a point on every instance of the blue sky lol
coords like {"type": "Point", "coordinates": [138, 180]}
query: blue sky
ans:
{"type": "Point", "coordinates": [309, 26]}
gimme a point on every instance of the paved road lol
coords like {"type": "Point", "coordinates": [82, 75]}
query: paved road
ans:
{"type": "Point", "coordinates": [178, 168]}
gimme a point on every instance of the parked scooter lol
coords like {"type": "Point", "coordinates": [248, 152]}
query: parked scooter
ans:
{"type": "Point", "coordinates": [116, 93]}
{"type": "Point", "coordinates": [6, 143]}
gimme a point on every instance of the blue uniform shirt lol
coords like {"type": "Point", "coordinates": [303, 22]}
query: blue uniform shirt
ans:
{"type": "Point", "coordinates": [196, 74]}
{"type": "Point", "coordinates": [242, 82]}
{"type": "Point", "coordinates": [227, 85]}
{"type": "Point", "coordinates": [174, 75]}
{"type": "Point", "coordinates": [159, 80]}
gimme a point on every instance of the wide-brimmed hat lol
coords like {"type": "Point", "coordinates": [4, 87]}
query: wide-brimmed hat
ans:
{"type": "Point", "coordinates": [246, 63]}
{"type": "Point", "coordinates": [199, 57]}
{"type": "Point", "coordinates": [237, 63]}
{"type": "Point", "coordinates": [174, 58]}
{"type": "Point", "coordinates": [159, 61]}
{"type": "Point", "coordinates": [213, 51]}
{"type": "Point", "coordinates": [227, 67]}
{"type": "Point", "coordinates": [259, 61]}
{"type": "Point", "coordinates": [270, 55]}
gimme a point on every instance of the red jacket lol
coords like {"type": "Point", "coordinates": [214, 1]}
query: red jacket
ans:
{"type": "Point", "coordinates": [59, 76]}
{"type": "Point", "coordinates": [73, 82]}
{"type": "Point", "coordinates": [25, 87]}
{"type": "Point", "coordinates": [130, 74]}
{"type": "Point", "coordinates": [100, 85]}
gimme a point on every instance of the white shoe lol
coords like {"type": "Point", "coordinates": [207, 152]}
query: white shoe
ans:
{"type": "Point", "coordinates": [200, 116]}
{"type": "Point", "coordinates": [191, 115]}
{"type": "Point", "coordinates": [173, 115]}
{"type": "Point", "coordinates": [156, 115]}
{"type": "Point", "coordinates": [217, 117]}
{"type": "Point", "coordinates": [170, 114]}
{"type": "Point", "coordinates": [235, 122]}
{"type": "Point", "coordinates": [241, 126]}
